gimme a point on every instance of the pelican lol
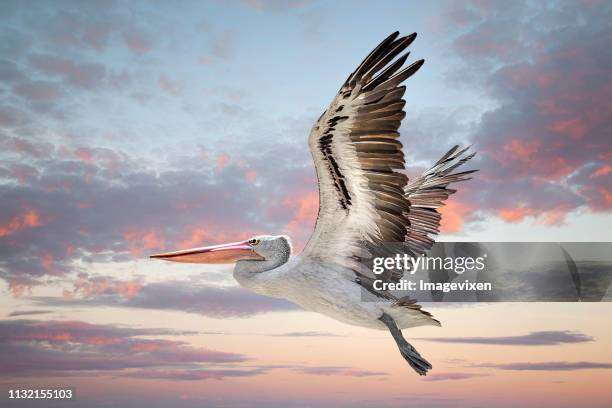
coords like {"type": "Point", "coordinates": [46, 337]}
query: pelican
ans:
{"type": "Point", "coordinates": [365, 199]}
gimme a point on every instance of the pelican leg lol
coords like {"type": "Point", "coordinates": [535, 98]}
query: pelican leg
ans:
{"type": "Point", "coordinates": [409, 353]}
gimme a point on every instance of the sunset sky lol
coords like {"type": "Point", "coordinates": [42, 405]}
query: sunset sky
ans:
{"type": "Point", "coordinates": [128, 128]}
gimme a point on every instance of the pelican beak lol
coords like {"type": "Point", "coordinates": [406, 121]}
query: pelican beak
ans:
{"type": "Point", "coordinates": [216, 254]}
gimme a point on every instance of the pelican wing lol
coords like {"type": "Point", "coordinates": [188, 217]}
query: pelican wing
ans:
{"type": "Point", "coordinates": [427, 194]}
{"type": "Point", "coordinates": [359, 159]}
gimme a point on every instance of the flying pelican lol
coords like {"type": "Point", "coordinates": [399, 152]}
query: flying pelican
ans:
{"type": "Point", "coordinates": [365, 200]}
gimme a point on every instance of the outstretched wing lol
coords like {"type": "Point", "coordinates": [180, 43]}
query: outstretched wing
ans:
{"type": "Point", "coordinates": [365, 199]}
{"type": "Point", "coordinates": [357, 156]}
{"type": "Point", "coordinates": [427, 194]}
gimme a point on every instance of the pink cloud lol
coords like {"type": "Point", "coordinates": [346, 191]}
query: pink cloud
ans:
{"type": "Point", "coordinates": [88, 287]}
{"type": "Point", "coordinates": [250, 175]}
{"type": "Point", "coordinates": [107, 159]}
{"type": "Point", "coordinates": [26, 148]}
{"type": "Point", "coordinates": [140, 240]}
{"type": "Point", "coordinates": [523, 75]}
{"type": "Point", "coordinates": [522, 150]}
{"type": "Point", "coordinates": [607, 196]}
{"type": "Point", "coordinates": [554, 216]}
{"type": "Point", "coordinates": [23, 172]}
{"type": "Point", "coordinates": [28, 219]}
{"type": "Point", "coordinates": [137, 41]}
{"type": "Point", "coordinates": [19, 286]}
{"type": "Point", "coordinates": [70, 249]}
{"type": "Point", "coordinates": [574, 128]}
{"type": "Point", "coordinates": [515, 214]}
{"type": "Point", "coordinates": [539, 145]}
{"type": "Point", "coordinates": [603, 170]}
{"type": "Point", "coordinates": [454, 213]}
{"type": "Point", "coordinates": [47, 260]}
{"type": "Point", "coordinates": [84, 154]}
{"type": "Point", "coordinates": [196, 237]}
{"type": "Point", "coordinates": [303, 208]}
{"type": "Point", "coordinates": [550, 217]}
{"type": "Point", "coordinates": [222, 161]}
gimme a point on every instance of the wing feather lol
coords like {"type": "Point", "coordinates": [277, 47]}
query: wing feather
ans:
{"type": "Point", "coordinates": [427, 194]}
{"type": "Point", "coordinates": [359, 160]}
{"type": "Point", "coordinates": [364, 194]}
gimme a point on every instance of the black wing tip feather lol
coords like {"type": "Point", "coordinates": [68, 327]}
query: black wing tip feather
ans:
{"type": "Point", "coordinates": [396, 33]}
{"type": "Point", "coordinates": [456, 154]}
{"type": "Point", "coordinates": [390, 45]}
{"type": "Point", "coordinates": [413, 68]}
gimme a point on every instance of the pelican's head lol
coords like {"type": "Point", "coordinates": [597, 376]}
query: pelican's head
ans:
{"type": "Point", "coordinates": [259, 248]}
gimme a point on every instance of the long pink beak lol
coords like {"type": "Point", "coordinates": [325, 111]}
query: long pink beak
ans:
{"type": "Point", "coordinates": [216, 254]}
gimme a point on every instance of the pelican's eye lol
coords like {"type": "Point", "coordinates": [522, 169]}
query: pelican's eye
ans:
{"type": "Point", "coordinates": [253, 241]}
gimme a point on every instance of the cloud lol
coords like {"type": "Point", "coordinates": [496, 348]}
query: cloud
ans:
{"type": "Point", "coordinates": [550, 366]}
{"type": "Point", "coordinates": [100, 198]}
{"type": "Point", "coordinates": [59, 348]}
{"type": "Point", "coordinates": [11, 117]}
{"type": "Point", "coordinates": [26, 149]}
{"type": "Point", "coordinates": [304, 207]}
{"type": "Point", "coordinates": [340, 371]}
{"type": "Point", "coordinates": [540, 338]}
{"type": "Point", "coordinates": [454, 212]}
{"type": "Point", "coordinates": [275, 5]}
{"type": "Point", "coordinates": [81, 75]}
{"type": "Point", "coordinates": [56, 348]}
{"type": "Point", "coordinates": [38, 91]}
{"type": "Point", "coordinates": [19, 313]}
{"type": "Point", "coordinates": [305, 334]}
{"type": "Point", "coordinates": [207, 300]}
{"type": "Point", "coordinates": [28, 218]}
{"type": "Point", "coordinates": [222, 161]}
{"type": "Point", "coordinates": [87, 27]}
{"type": "Point", "coordinates": [452, 376]}
{"type": "Point", "coordinates": [250, 175]}
{"type": "Point", "coordinates": [137, 41]}
{"type": "Point", "coordinates": [169, 86]}
{"type": "Point", "coordinates": [194, 375]}
{"type": "Point", "coordinates": [125, 210]}
{"type": "Point", "coordinates": [96, 286]}
{"type": "Point", "coordinates": [71, 331]}
{"type": "Point", "coordinates": [545, 134]}
{"type": "Point", "coordinates": [562, 120]}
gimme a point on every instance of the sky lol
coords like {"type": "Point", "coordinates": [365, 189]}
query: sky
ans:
{"type": "Point", "coordinates": [132, 128]}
